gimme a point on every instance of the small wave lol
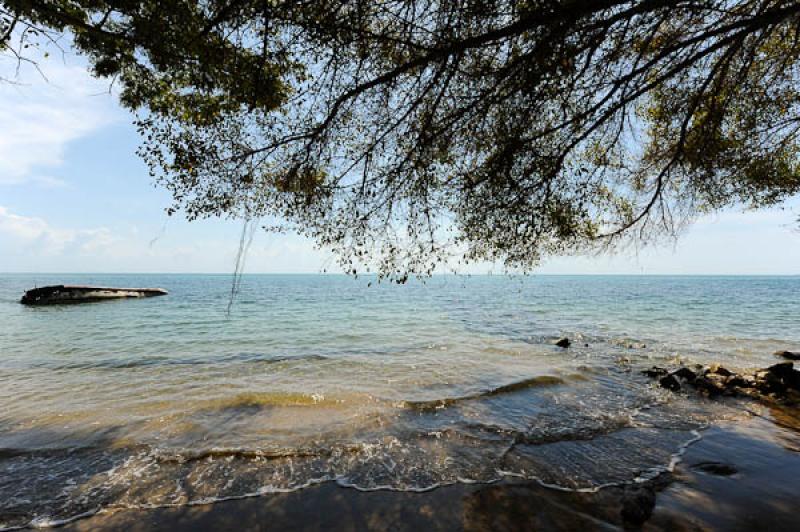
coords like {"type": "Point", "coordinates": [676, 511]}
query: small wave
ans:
{"type": "Point", "coordinates": [16, 452]}
{"type": "Point", "coordinates": [646, 476]}
{"type": "Point", "coordinates": [545, 380]}
{"type": "Point", "coordinates": [145, 361]}
{"type": "Point", "coordinates": [215, 453]}
{"type": "Point", "coordinates": [276, 399]}
{"type": "Point", "coordinates": [436, 404]}
{"type": "Point", "coordinates": [187, 478]}
{"type": "Point", "coordinates": [628, 343]}
{"type": "Point", "coordinates": [544, 435]}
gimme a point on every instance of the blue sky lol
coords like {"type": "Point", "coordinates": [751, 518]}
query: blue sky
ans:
{"type": "Point", "coordinates": [74, 197]}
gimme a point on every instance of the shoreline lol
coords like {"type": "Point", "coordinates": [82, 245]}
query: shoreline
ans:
{"type": "Point", "coordinates": [740, 475]}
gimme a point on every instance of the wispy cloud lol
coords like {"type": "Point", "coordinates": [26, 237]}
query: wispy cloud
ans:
{"type": "Point", "coordinates": [40, 117]}
{"type": "Point", "coordinates": [31, 243]}
{"type": "Point", "coordinates": [36, 233]}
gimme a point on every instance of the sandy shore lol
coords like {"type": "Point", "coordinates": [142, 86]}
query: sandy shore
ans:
{"type": "Point", "coordinates": [741, 476]}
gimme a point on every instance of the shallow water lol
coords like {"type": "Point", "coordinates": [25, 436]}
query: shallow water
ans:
{"type": "Point", "coordinates": [169, 400]}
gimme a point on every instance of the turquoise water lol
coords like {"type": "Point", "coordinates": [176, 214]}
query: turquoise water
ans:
{"type": "Point", "coordinates": [172, 400]}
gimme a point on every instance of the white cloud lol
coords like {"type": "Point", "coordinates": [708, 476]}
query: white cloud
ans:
{"type": "Point", "coordinates": [31, 244]}
{"type": "Point", "coordinates": [41, 116]}
{"type": "Point", "coordinates": [21, 227]}
{"type": "Point", "coordinates": [34, 244]}
{"type": "Point", "coordinates": [47, 240]}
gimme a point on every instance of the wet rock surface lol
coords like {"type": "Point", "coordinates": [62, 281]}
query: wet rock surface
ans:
{"type": "Point", "coordinates": [670, 382]}
{"type": "Point", "coordinates": [655, 372]}
{"type": "Point", "coordinates": [685, 374]}
{"type": "Point", "coordinates": [788, 355]}
{"type": "Point", "coordinates": [777, 383]}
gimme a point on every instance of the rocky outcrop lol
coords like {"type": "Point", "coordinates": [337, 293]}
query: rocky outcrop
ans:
{"type": "Point", "coordinates": [780, 382]}
{"type": "Point", "coordinates": [788, 355]}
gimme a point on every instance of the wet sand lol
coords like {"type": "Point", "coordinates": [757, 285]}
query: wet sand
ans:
{"type": "Point", "coordinates": [740, 476]}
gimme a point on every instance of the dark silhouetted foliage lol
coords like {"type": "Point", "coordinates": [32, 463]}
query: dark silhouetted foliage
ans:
{"type": "Point", "coordinates": [401, 132]}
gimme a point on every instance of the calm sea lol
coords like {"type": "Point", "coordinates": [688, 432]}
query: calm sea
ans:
{"type": "Point", "coordinates": [171, 400]}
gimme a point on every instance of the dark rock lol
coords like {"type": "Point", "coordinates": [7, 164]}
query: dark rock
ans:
{"type": "Point", "coordinates": [655, 372]}
{"type": "Point", "coordinates": [637, 504]}
{"type": "Point", "coordinates": [793, 381]}
{"type": "Point", "coordinates": [768, 382]}
{"type": "Point", "coordinates": [716, 369]}
{"type": "Point", "coordinates": [716, 468]}
{"type": "Point", "coordinates": [777, 383]}
{"type": "Point", "coordinates": [785, 373]}
{"type": "Point", "coordinates": [788, 355]}
{"type": "Point", "coordinates": [564, 342]}
{"type": "Point", "coordinates": [790, 377]}
{"type": "Point", "coordinates": [738, 381]}
{"type": "Point", "coordinates": [782, 369]}
{"type": "Point", "coordinates": [710, 386]}
{"type": "Point", "coordinates": [685, 374]}
{"type": "Point", "coordinates": [670, 382]}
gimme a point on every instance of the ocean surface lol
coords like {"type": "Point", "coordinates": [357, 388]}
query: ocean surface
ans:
{"type": "Point", "coordinates": [311, 378]}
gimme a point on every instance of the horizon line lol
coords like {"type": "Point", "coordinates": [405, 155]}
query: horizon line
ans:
{"type": "Point", "coordinates": [445, 274]}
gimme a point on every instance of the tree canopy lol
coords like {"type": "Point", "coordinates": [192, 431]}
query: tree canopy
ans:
{"type": "Point", "coordinates": [398, 131]}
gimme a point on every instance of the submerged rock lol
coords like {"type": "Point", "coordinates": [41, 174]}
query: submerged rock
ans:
{"type": "Point", "coordinates": [716, 468]}
{"type": "Point", "coordinates": [788, 355]}
{"type": "Point", "coordinates": [637, 504]}
{"type": "Point", "coordinates": [61, 294]}
{"type": "Point", "coordinates": [636, 345]}
{"type": "Point", "coordinates": [564, 342]}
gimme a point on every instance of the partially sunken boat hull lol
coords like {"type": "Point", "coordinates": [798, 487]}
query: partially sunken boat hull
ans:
{"type": "Point", "coordinates": [49, 295]}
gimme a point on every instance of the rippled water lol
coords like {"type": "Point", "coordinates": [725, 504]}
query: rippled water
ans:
{"type": "Point", "coordinates": [169, 400]}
